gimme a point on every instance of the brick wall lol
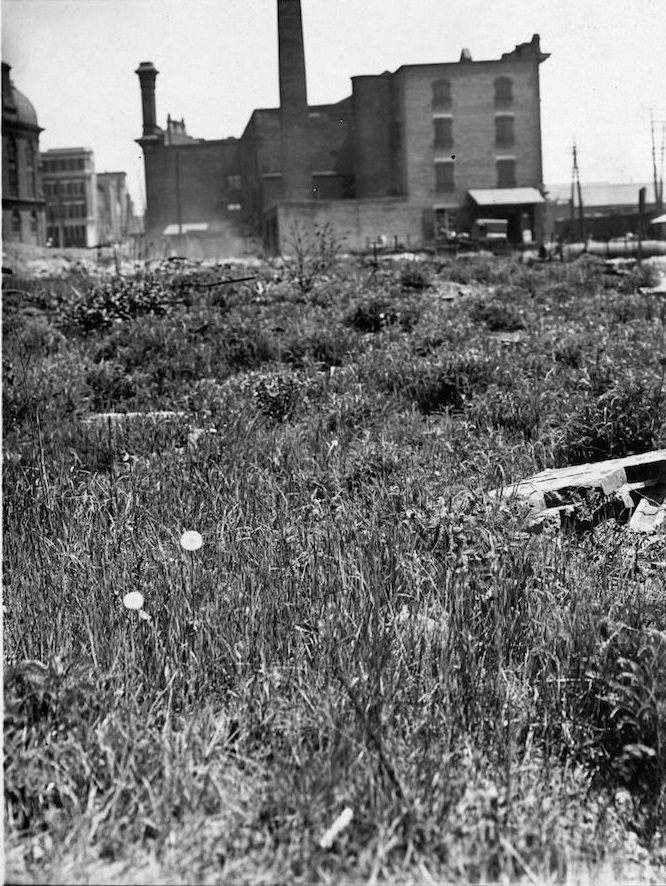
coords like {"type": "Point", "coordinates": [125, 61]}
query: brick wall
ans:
{"type": "Point", "coordinates": [356, 224]}
{"type": "Point", "coordinates": [202, 169]}
{"type": "Point", "coordinates": [473, 111]}
{"type": "Point", "coordinates": [374, 136]}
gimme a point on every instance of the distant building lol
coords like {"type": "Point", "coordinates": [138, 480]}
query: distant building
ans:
{"type": "Point", "coordinates": [610, 210]}
{"type": "Point", "coordinates": [115, 209]}
{"type": "Point", "coordinates": [23, 217]}
{"type": "Point", "coordinates": [70, 186]}
{"type": "Point", "coordinates": [425, 149]}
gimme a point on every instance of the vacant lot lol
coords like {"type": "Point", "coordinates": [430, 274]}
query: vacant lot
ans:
{"type": "Point", "coordinates": [364, 627]}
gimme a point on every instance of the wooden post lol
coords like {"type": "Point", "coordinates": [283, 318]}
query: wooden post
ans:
{"type": "Point", "coordinates": [641, 215]}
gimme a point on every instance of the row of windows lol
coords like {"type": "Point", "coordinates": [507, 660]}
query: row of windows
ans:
{"type": "Point", "coordinates": [445, 181]}
{"type": "Point", "coordinates": [73, 235]}
{"type": "Point", "coordinates": [62, 188]}
{"type": "Point", "coordinates": [69, 210]}
{"type": "Point", "coordinates": [17, 225]}
{"type": "Point", "coordinates": [66, 164]}
{"type": "Point", "coordinates": [503, 97]}
{"type": "Point", "coordinates": [13, 168]}
{"type": "Point", "coordinates": [504, 131]}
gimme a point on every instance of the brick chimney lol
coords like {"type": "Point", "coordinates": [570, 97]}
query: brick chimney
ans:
{"type": "Point", "coordinates": [147, 73]}
{"type": "Point", "coordinates": [296, 177]}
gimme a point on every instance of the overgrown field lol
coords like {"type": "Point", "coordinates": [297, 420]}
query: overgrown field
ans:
{"type": "Point", "coordinates": [364, 627]}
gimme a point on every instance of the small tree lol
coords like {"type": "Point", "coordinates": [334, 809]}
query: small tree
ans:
{"type": "Point", "coordinates": [312, 252]}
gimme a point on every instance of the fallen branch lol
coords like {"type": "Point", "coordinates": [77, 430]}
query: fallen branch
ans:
{"type": "Point", "coordinates": [213, 285]}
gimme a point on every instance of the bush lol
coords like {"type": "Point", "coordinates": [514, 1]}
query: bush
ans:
{"type": "Point", "coordinates": [372, 315]}
{"type": "Point", "coordinates": [121, 298]}
{"type": "Point", "coordinates": [628, 418]}
{"type": "Point", "coordinates": [496, 315]}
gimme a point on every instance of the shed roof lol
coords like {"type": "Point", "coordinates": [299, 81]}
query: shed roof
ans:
{"type": "Point", "coordinates": [506, 196]}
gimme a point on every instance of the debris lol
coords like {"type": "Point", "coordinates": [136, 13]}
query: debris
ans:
{"type": "Point", "coordinates": [117, 417]}
{"type": "Point", "coordinates": [516, 337]}
{"type": "Point", "coordinates": [636, 483]}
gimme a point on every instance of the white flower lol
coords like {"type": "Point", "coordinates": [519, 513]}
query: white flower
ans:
{"type": "Point", "coordinates": [133, 600]}
{"type": "Point", "coordinates": [338, 826]}
{"type": "Point", "coordinates": [191, 540]}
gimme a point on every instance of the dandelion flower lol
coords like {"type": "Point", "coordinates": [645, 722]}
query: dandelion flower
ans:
{"type": "Point", "coordinates": [133, 600]}
{"type": "Point", "coordinates": [341, 822]}
{"type": "Point", "coordinates": [191, 540]}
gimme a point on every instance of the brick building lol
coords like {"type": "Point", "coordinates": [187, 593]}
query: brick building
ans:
{"type": "Point", "coordinates": [425, 149]}
{"type": "Point", "coordinates": [70, 186]}
{"type": "Point", "coordinates": [22, 197]}
{"type": "Point", "coordinates": [116, 221]}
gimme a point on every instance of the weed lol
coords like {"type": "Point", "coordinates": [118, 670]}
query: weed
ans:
{"type": "Point", "coordinates": [315, 252]}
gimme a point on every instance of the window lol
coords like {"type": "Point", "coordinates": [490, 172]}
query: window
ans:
{"type": "Point", "coordinates": [31, 169]}
{"type": "Point", "coordinates": [441, 94]}
{"type": "Point", "coordinates": [444, 183]}
{"type": "Point", "coordinates": [504, 136]}
{"type": "Point", "coordinates": [12, 168]}
{"type": "Point", "coordinates": [34, 226]}
{"type": "Point", "coordinates": [16, 225]}
{"type": "Point", "coordinates": [233, 182]}
{"type": "Point", "coordinates": [233, 207]}
{"type": "Point", "coordinates": [443, 132]}
{"type": "Point", "coordinates": [506, 173]}
{"type": "Point", "coordinates": [503, 92]}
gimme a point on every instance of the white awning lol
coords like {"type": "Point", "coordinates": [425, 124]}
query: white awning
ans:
{"type": "Point", "coordinates": [659, 220]}
{"type": "Point", "coordinates": [506, 196]}
{"type": "Point", "coordinates": [187, 228]}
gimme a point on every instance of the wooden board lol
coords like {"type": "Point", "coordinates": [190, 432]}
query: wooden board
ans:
{"type": "Point", "coordinates": [606, 475]}
{"type": "Point", "coordinates": [638, 481]}
{"type": "Point", "coordinates": [650, 511]}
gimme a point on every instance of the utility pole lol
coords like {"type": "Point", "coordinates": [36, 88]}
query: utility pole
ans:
{"type": "Point", "coordinates": [658, 171]}
{"type": "Point", "coordinates": [641, 222]}
{"type": "Point", "coordinates": [178, 212]}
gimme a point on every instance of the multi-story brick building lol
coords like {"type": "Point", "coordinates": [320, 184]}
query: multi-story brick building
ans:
{"type": "Point", "coordinates": [410, 153]}
{"type": "Point", "coordinates": [70, 186]}
{"type": "Point", "coordinates": [116, 221]}
{"type": "Point", "coordinates": [22, 196]}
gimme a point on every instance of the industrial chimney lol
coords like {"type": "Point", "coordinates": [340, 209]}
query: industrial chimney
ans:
{"type": "Point", "coordinates": [296, 177]}
{"type": "Point", "coordinates": [147, 73]}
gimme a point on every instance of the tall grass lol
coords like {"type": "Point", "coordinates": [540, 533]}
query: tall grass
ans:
{"type": "Point", "coordinates": [363, 626]}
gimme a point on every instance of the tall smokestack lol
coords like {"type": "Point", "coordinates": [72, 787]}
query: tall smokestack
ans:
{"type": "Point", "coordinates": [296, 177]}
{"type": "Point", "coordinates": [147, 73]}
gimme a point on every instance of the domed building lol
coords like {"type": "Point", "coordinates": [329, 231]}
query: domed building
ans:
{"type": "Point", "coordinates": [23, 204]}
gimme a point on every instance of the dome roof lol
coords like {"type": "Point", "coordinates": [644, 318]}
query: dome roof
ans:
{"type": "Point", "coordinates": [17, 110]}
{"type": "Point", "coordinates": [25, 111]}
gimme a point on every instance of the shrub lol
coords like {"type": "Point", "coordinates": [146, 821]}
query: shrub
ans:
{"type": "Point", "coordinates": [121, 298]}
{"type": "Point", "coordinates": [496, 315]}
{"type": "Point", "coordinates": [277, 394]}
{"type": "Point", "coordinates": [628, 418]}
{"type": "Point", "coordinates": [415, 276]}
{"type": "Point", "coordinates": [370, 316]}
{"type": "Point", "coordinates": [315, 252]}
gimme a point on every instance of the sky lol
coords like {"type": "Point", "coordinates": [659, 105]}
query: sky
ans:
{"type": "Point", "coordinates": [218, 61]}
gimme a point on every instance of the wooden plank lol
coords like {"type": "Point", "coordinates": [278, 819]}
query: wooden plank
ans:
{"type": "Point", "coordinates": [650, 511]}
{"type": "Point", "coordinates": [611, 474]}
